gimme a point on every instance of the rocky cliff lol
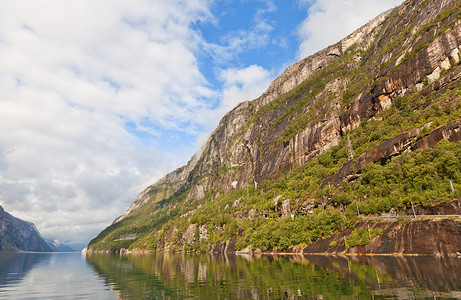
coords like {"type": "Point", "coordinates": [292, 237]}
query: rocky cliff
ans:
{"type": "Point", "coordinates": [19, 235]}
{"type": "Point", "coordinates": [408, 234]}
{"type": "Point", "coordinates": [389, 89]}
{"type": "Point", "coordinates": [232, 144]}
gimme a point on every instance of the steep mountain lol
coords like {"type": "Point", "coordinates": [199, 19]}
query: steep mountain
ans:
{"type": "Point", "coordinates": [368, 127]}
{"type": "Point", "coordinates": [19, 235]}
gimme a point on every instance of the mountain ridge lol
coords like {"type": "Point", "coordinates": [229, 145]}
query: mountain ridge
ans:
{"type": "Point", "coordinates": [282, 84]}
{"type": "Point", "coordinates": [399, 73]}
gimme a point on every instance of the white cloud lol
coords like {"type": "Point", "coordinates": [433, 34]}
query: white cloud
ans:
{"type": "Point", "coordinates": [328, 21]}
{"type": "Point", "coordinates": [256, 36]}
{"type": "Point", "coordinates": [243, 85]}
{"type": "Point", "coordinates": [73, 74]}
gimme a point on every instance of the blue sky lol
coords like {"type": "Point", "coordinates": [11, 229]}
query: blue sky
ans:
{"type": "Point", "coordinates": [101, 98]}
{"type": "Point", "coordinates": [274, 23]}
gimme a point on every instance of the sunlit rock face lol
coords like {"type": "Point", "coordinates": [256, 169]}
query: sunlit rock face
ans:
{"type": "Point", "coordinates": [242, 151]}
{"type": "Point", "coordinates": [16, 234]}
{"type": "Point", "coordinates": [311, 107]}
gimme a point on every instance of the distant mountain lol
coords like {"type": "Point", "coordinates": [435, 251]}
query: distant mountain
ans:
{"type": "Point", "coordinates": [64, 248]}
{"type": "Point", "coordinates": [77, 247]}
{"type": "Point", "coordinates": [19, 235]}
{"type": "Point", "coordinates": [59, 247]}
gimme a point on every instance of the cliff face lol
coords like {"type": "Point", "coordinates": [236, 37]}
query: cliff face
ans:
{"type": "Point", "coordinates": [20, 235]}
{"type": "Point", "coordinates": [407, 235]}
{"type": "Point", "coordinates": [400, 73]}
{"type": "Point", "coordinates": [233, 143]}
{"type": "Point", "coordinates": [247, 145]}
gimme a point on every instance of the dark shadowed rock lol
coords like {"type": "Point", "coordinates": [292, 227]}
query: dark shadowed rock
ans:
{"type": "Point", "coordinates": [20, 234]}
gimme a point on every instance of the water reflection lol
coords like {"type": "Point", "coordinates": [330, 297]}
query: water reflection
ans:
{"type": "Point", "coordinates": [49, 276]}
{"type": "Point", "coordinates": [14, 266]}
{"type": "Point", "coordinates": [171, 276]}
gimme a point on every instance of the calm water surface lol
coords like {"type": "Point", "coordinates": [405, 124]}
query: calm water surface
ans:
{"type": "Point", "coordinates": [50, 276]}
{"type": "Point", "coordinates": [179, 276]}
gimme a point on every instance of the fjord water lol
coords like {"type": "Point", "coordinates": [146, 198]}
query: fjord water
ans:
{"type": "Point", "coordinates": [50, 276]}
{"type": "Point", "coordinates": [179, 276]}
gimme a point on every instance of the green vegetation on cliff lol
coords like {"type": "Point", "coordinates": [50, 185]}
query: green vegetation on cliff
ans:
{"type": "Point", "coordinates": [420, 177]}
{"type": "Point", "coordinates": [377, 97]}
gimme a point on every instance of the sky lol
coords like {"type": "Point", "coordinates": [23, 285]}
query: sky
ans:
{"type": "Point", "coordinates": [101, 98]}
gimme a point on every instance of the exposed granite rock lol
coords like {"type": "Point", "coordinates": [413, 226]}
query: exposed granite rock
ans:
{"type": "Point", "coordinates": [406, 141]}
{"type": "Point", "coordinates": [407, 235]}
{"type": "Point", "coordinates": [418, 237]}
{"type": "Point", "coordinates": [189, 235]}
{"type": "Point", "coordinates": [286, 208]}
{"type": "Point", "coordinates": [236, 203]}
{"type": "Point", "coordinates": [300, 71]}
{"type": "Point", "coordinates": [314, 140]}
{"type": "Point", "coordinates": [197, 190]}
{"type": "Point", "coordinates": [438, 236]}
{"type": "Point", "coordinates": [448, 208]}
{"type": "Point", "coordinates": [252, 213]}
{"type": "Point", "coordinates": [428, 65]}
{"type": "Point", "coordinates": [450, 132]}
{"type": "Point", "coordinates": [203, 232]}
{"type": "Point", "coordinates": [229, 246]}
{"type": "Point", "coordinates": [276, 200]}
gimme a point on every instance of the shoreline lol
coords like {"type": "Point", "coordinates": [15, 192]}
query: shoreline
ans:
{"type": "Point", "coordinates": [440, 236]}
{"type": "Point", "coordinates": [257, 253]}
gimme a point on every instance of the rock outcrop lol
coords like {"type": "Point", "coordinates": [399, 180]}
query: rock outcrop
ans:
{"type": "Point", "coordinates": [404, 142]}
{"type": "Point", "coordinates": [422, 237]}
{"type": "Point", "coordinates": [416, 231]}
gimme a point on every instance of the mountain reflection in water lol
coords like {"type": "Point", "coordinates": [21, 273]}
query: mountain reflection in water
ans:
{"type": "Point", "coordinates": [14, 266]}
{"type": "Point", "coordinates": [228, 276]}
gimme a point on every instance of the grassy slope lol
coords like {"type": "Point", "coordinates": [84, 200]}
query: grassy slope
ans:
{"type": "Point", "coordinates": [419, 177]}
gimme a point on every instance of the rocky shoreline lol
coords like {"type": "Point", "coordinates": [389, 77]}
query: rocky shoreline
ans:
{"type": "Point", "coordinates": [436, 236]}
